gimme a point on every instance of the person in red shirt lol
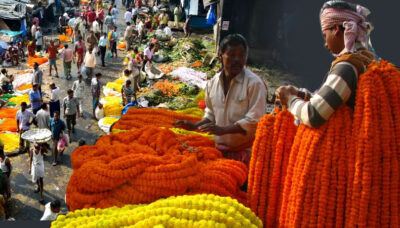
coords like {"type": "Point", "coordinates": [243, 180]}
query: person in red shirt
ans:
{"type": "Point", "coordinates": [80, 50]}
{"type": "Point", "coordinates": [52, 50]}
{"type": "Point", "coordinates": [100, 16]}
{"type": "Point", "coordinates": [91, 17]}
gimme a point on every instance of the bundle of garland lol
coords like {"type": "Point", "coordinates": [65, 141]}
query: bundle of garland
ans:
{"type": "Point", "coordinates": [147, 164]}
{"type": "Point", "coordinates": [183, 211]}
{"type": "Point", "coordinates": [344, 173]}
{"type": "Point", "coordinates": [137, 118]}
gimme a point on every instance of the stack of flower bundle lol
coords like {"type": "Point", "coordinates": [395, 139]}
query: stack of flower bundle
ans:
{"type": "Point", "coordinates": [24, 87]}
{"type": "Point", "coordinates": [115, 86]}
{"type": "Point", "coordinates": [345, 173]}
{"type": "Point", "coordinates": [8, 124]}
{"type": "Point", "coordinates": [19, 99]}
{"type": "Point", "coordinates": [167, 88]}
{"type": "Point", "coordinates": [10, 140]}
{"type": "Point", "coordinates": [137, 118]}
{"type": "Point", "coordinates": [269, 161]}
{"type": "Point", "coordinates": [36, 59]}
{"type": "Point", "coordinates": [182, 211]}
{"type": "Point", "coordinates": [196, 112]}
{"type": "Point", "coordinates": [113, 109]}
{"type": "Point", "coordinates": [10, 113]}
{"type": "Point", "coordinates": [147, 164]}
{"type": "Point", "coordinates": [186, 132]}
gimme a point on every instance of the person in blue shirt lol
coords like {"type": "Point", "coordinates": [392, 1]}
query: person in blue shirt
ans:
{"type": "Point", "coordinates": [57, 126]}
{"type": "Point", "coordinates": [35, 98]}
{"type": "Point", "coordinates": [103, 44]}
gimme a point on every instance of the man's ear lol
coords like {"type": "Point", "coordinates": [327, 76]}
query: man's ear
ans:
{"type": "Point", "coordinates": [338, 31]}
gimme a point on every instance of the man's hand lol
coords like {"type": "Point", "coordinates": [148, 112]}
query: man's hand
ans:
{"type": "Point", "coordinates": [213, 129]}
{"type": "Point", "coordinates": [185, 124]}
{"type": "Point", "coordinates": [283, 92]}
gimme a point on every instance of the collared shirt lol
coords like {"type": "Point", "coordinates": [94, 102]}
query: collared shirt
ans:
{"type": "Point", "coordinates": [67, 55]}
{"type": "Point", "coordinates": [90, 60]}
{"type": "Point", "coordinates": [24, 119]}
{"type": "Point", "coordinates": [134, 12]}
{"type": "Point", "coordinates": [39, 38]}
{"type": "Point", "coordinates": [149, 53]}
{"type": "Point", "coordinates": [114, 12]}
{"type": "Point", "coordinates": [42, 118]}
{"type": "Point", "coordinates": [48, 214]}
{"type": "Point", "coordinates": [35, 95]}
{"type": "Point", "coordinates": [78, 88]}
{"type": "Point", "coordinates": [109, 20]}
{"type": "Point", "coordinates": [56, 128]}
{"type": "Point", "coordinates": [168, 31]}
{"type": "Point", "coordinates": [80, 47]}
{"type": "Point", "coordinates": [55, 94]}
{"type": "Point", "coordinates": [96, 27]}
{"type": "Point", "coordinates": [91, 16]}
{"type": "Point", "coordinates": [244, 104]}
{"type": "Point", "coordinates": [128, 32]}
{"type": "Point", "coordinates": [71, 105]}
{"type": "Point", "coordinates": [104, 42]}
{"type": "Point", "coordinates": [37, 77]}
{"type": "Point", "coordinates": [128, 16]}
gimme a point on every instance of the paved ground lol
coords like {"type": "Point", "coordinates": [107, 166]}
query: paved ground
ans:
{"type": "Point", "coordinates": [24, 203]}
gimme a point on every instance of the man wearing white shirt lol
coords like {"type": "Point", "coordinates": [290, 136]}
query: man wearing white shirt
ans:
{"type": "Point", "coordinates": [54, 99]}
{"type": "Point", "coordinates": [128, 35]}
{"type": "Point", "coordinates": [79, 87]}
{"type": "Point", "coordinates": [43, 117]}
{"type": "Point", "coordinates": [90, 63]}
{"type": "Point", "coordinates": [148, 54]}
{"type": "Point", "coordinates": [39, 39]}
{"type": "Point", "coordinates": [96, 28]}
{"type": "Point", "coordinates": [128, 16]}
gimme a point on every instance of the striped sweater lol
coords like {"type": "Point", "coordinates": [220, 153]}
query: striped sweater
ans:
{"type": "Point", "coordinates": [339, 88]}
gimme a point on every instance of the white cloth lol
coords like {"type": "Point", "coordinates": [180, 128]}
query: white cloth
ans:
{"type": "Point", "coordinates": [168, 31]}
{"type": "Point", "coordinates": [90, 59]}
{"type": "Point", "coordinates": [37, 170]}
{"type": "Point", "coordinates": [55, 94]}
{"type": "Point", "coordinates": [48, 215]}
{"type": "Point", "coordinates": [134, 12]}
{"type": "Point", "coordinates": [95, 27]}
{"type": "Point", "coordinates": [78, 88]}
{"type": "Point", "coordinates": [33, 30]}
{"type": "Point", "coordinates": [24, 119]}
{"type": "Point", "coordinates": [128, 16]}
{"type": "Point", "coordinates": [149, 53]}
{"type": "Point", "coordinates": [43, 119]}
{"type": "Point", "coordinates": [3, 166]}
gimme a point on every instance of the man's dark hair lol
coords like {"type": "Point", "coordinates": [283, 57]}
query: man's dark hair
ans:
{"type": "Point", "coordinates": [44, 106]}
{"type": "Point", "coordinates": [66, 46]}
{"type": "Point", "coordinates": [3, 71]}
{"type": "Point", "coordinates": [81, 142]}
{"type": "Point", "coordinates": [57, 112]}
{"type": "Point", "coordinates": [128, 82]}
{"type": "Point", "coordinates": [98, 75]}
{"type": "Point", "coordinates": [55, 204]}
{"type": "Point", "coordinates": [340, 5]}
{"type": "Point", "coordinates": [151, 45]}
{"type": "Point", "coordinates": [24, 104]}
{"type": "Point", "coordinates": [70, 91]}
{"type": "Point", "coordinates": [136, 49]}
{"type": "Point", "coordinates": [36, 64]}
{"type": "Point", "coordinates": [128, 23]}
{"type": "Point", "coordinates": [233, 40]}
{"type": "Point", "coordinates": [126, 71]}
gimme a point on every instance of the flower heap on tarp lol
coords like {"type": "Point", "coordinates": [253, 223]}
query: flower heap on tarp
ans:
{"type": "Point", "coordinates": [147, 164]}
{"type": "Point", "coordinates": [8, 129]}
{"type": "Point", "coordinates": [344, 173]}
{"type": "Point", "coordinates": [182, 211]}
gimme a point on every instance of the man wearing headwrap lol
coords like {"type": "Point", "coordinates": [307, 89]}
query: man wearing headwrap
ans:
{"type": "Point", "coordinates": [346, 32]}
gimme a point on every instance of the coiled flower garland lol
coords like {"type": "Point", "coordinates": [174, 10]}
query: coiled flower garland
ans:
{"type": "Point", "coordinates": [144, 165]}
{"type": "Point", "coordinates": [183, 211]}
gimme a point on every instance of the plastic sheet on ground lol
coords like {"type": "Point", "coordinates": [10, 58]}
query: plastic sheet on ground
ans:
{"type": "Point", "coordinates": [153, 72]}
{"type": "Point", "coordinates": [22, 79]}
{"type": "Point", "coordinates": [188, 76]}
{"type": "Point", "coordinates": [110, 92]}
{"type": "Point", "coordinates": [106, 122]}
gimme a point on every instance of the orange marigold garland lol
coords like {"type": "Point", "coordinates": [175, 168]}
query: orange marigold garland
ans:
{"type": "Point", "coordinates": [147, 164]}
{"type": "Point", "coordinates": [270, 157]}
{"type": "Point", "coordinates": [137, 118]}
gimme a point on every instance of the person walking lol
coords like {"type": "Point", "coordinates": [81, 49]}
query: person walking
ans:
{"type": "Point", "coordinates": [79, 88]}
{"type": "Point", "coordinates": [24, 121]}
{"type": "Point", "coordinates": [71, 108]}
{"type": "Point", "coordinates": [109, 22]}
{"type": "Point", "coordinates": [53, 51]}
{"type": "Point", "coordinates": [79, 51]}
{"type": "Point", "coordinates": [128, 92]}
{"type": "Point", "coordinates": [57, 127]}
{"type": "Point", "coordinates": [128, 16]}
{"type": "Point", "coordinates": [36, 168]}
{"type": "Point", "coordinates": [54, 99]}
{"type": "Point", "coordinates": [113, 37]}
{"type": "Point", "coordinates": [96, 28]}
{"type": "Point", "coordinates": [103, 44]}
{"type": "Point", "coordinates": [35, 99]}
{"type": "Point", "coordinates": [100, 17]}
{"type": "Point", "coordinates": [177, 15]}
{"type": "Point", "coordinates": [31, 48]}
{"type": "Point", "coordinates": [91, 17]}
{"type": "Point", "coordinates": [6, 168]}
{"type": "Point", "coordinates": [39, 40]}
{"type": "Point", "coordinates": [43, 117]}
{"type": "Point", "coordinates": [95, 87]}
{"type": "Point", "coordinates": [92, 40]}
{"type": "Point", "coordinates": [37, 77]}
{"type": "Point", "coordinates": [115, 12]}
{"type": "Point", "coordinates": [90, 63]}
{"type": "Point", "coordinates": [68, 58]}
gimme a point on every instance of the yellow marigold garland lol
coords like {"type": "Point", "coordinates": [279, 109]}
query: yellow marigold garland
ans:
{"type": "Point", "coordinates": [204, 210]}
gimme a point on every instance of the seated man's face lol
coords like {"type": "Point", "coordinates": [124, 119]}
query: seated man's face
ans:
{"type": "Point", "coordinates": [56, 210]}
{"type": "Point", "coordinates": [234, 59]}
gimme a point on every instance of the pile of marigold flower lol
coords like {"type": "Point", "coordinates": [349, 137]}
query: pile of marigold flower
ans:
{"type": "Point", "coordinates": [167, 88]}
{"type": "Point", "coordinates": [147, 164]}
{"type": "Point", "coordinates": [137, 118]}
{"type": "Point", "coordinates": [203, 210]}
